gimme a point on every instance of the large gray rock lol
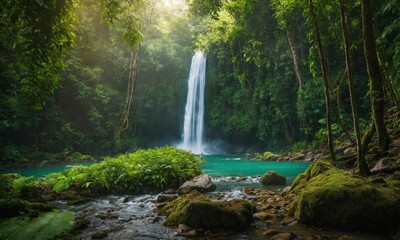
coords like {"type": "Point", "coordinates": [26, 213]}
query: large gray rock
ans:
{"type": "Point", "coordinates": [273, 178]}
{"type": "Point", "coordinates": [201, 183]}
{"type": "Point", "coordinates": [386, 165]}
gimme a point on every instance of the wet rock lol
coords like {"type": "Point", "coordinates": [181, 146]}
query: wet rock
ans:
{"type": "Point", "coordinates": [155, 219]}
{"type": "Point", "coordinates": [262, 215]}
{"type": "Point", "coordinates": [166, 198]}
{"type": "Point", "coordinates": [192, 233]}
{"type": "Point", "coordinates": [170, 191]}
{"type": "Point", "coordinates": [345, 237]}
{"type": "Point", "coordinates": [285, 236]}
{"type": "Point", "coordinates": [386, 165]}
{"type": "Point", "coordinates": [201, 183]}
{"type": "Point", "coordinates": [270, 232]}
{"type": "Point", "coordinates": [99, 235]}
{"type": "Point", "coordinates": [394, 151]}
{"type": "Point", "coordinates": [183, 228]}
{"type": "Point", "coordinates": [273, 178]}
{"type": "Point", "coordinates": [82, 224]}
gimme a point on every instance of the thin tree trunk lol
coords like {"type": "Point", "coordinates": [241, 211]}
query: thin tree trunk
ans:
{"type": "Point", "coordinates": [362, 163]}
{"type": "Point", "coordinates": [133, 72]}
{"type": "Point", "coordinates": [296, 59]}
{"type": "Point", "coordinates": [375, 75]}
{"type": "Point", "coordinates": [324, 70]}
{"type": "Point", "coordinates": [389, 85]}
{"type": "Point", "coordinates": [367, 138]}
{"type": "Point", "coordinates": [336, 109]}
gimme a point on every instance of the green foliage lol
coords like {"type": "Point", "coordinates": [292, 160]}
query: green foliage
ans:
{"type": "Point", "coordinates": [6, 184]}
{"type": "Point", "coordinates": [143, 170]}
{"type": "Point", "coordinates": [35, 38]}
{"type": "Point", "coordinates": [84, 112]}
{"type": "Point", "coordinates": [266, 156]}
{"type": "Point", "coordinates": [70, 60]}
{"type": "Point", "coordinates": [204, 7]}
{"type": "Point", "coordinates": [300, 146]}
{"type": "Point", "coordinates": [46, 226]}
{"type": "Point", "coordinates": [23, 184]}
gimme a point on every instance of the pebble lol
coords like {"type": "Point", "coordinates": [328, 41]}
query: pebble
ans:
{"type": "Point", "coordinates": [183, 228]}
{"type": "Point", "coordinates": [270, 232]}
{"type": "Point", "coordinates": [285, 236]}
{"type": "Point", "coordinates": [99, 235]}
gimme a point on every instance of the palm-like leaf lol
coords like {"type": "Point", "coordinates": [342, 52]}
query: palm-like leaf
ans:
{"type": "Point", "coordinates": [44, 227]}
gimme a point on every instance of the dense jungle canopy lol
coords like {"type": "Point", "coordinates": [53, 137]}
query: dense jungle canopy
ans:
{"type": "Point", "coordinates": [109, 76]}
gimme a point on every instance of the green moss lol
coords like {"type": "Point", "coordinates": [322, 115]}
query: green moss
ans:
{"type": "Point", "coordinates": [6, 184]}
{"type": "Point", "coordinates": [197, 211]}
{"type": "Point", "coordinates": [326, 196]}
{"type": "Point", "coordinates": [13, 207]}
{"type": "Point", "coordinates": [174, 210]}
{"type": "Point", "coordinates": [268, 156]}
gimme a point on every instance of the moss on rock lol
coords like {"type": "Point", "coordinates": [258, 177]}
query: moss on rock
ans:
{"type": "Point", "coordinates": [197, 211]}
{"type": "Point", "coordinates": [327, 196]}
{"type": "Point", "coordinates": [13, 207]}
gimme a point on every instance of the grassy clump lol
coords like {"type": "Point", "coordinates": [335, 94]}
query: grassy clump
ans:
{"type": "Point", "coordinates": [144, 170]}
{"type": "Point", "coordinates": [267, 156]}
{"type": "Point", "coordinates": [327, 196]}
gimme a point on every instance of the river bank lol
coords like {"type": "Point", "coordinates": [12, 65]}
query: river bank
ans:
{"type": "Point", "coordinates": [135, 217]}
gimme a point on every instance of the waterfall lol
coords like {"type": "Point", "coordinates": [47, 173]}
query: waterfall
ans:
{"type": "Point", "coordinates": [194, 111]}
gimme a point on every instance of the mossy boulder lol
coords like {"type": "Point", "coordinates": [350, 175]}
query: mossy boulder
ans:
{"type": "Point", "coordinates": [273, 178]}
{"type": "Point", "coordinates": [197, 211]}
{"type": "Point", "coordinates": [329, 197]}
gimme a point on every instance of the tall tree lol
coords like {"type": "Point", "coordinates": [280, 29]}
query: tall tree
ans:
{"type": "Point", "coordinates": [35, 37]}
{"type": "Point", "coordinates": [325, 76]}
{"type": "Point", "coordinates": [362, 164]}
{"type": "Point", "coordinates": [375, 74]}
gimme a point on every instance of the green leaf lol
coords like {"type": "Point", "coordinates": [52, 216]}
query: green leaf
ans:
{"type": "Point", "coordinates": [46, 226]}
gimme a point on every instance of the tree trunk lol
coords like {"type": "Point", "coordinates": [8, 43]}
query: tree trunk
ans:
{"type": "Point", "coordinates": [296, 59]}
{"type": "Point", "coordinates": [367, 138]}
{"type": "Point", "coordinates": [362, 163]}
{"type": "Point", "coordinates": [324, 69]}
{"type": "Point", "coordinates": [133, 72]}
{"type": "Point", "coordinates": [375, 75]}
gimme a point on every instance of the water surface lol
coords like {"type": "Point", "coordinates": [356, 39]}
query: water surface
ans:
{"type": "Point", "coordinates": [231, 172]}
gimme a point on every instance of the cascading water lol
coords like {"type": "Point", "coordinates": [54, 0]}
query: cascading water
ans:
{"type": "Point", "coordinates": [194, 112]}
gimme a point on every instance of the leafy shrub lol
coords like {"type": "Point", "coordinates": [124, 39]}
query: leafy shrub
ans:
{"type": "Point", "coordinates": [300, 146]}
{"type": "Point", "coordinates": [42, 156]}
{"type": "Point", "coordinates": [268, 156]}
{"type": "Point", "coordinates": [151, 169]}
{"type": "Point", "coordinates": [6, 184]}
{"type": "Point", "coordinates": [22, 185]}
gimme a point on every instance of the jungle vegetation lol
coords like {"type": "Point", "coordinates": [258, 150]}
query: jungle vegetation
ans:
{"type": "Point", "coordinates": [106, 77]}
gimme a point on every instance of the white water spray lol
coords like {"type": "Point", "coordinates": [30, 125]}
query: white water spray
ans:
{"type": "Point", "coordinates": [193, 126]}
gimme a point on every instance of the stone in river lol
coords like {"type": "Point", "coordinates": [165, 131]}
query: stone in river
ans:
{"type": "Point", "coordinates": [273, 178]}
{"type": "Point", "coordinates": [201, 183]}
